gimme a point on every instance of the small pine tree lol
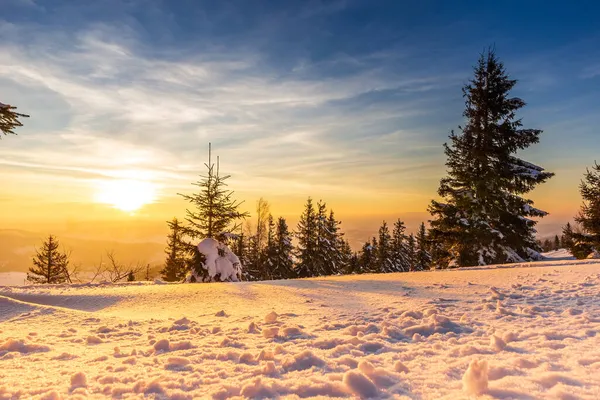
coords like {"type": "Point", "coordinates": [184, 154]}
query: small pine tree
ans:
{"type": "Point", "coordinates": [9, 119]}
{"type": "Point", "coordinates": [556, 242]}
{"type": "Point", "coordinates": [177, 251]}
{"type": "Point", "coordinates": [307, 236]}
{"type": "Point", "coordinates": [349, 259]}
{"type": "Point", "coordinates": [589, 214]}
{"type": "Point", "coordinates": [49, 264]}
{"type": "Point", "coordinates": [254, 269]}
{"type": "Point", "coordinates": [567, 237]}
{"type": "Point", "coordinates": [484, 219]}
{"type": "Point", "coordinates": [216, 212]}
{"type": "Point", "coordinates": [400, 256]}
{"type": "Point", "coordinates": [547, 245]}
{"type": "Point", "coordinates": [423, 256]}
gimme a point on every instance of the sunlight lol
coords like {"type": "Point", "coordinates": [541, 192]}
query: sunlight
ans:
{"type": "Point", "coordinates": [126, 194]}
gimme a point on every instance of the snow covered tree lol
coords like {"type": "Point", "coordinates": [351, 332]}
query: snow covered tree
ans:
{"type": "Point", "coordinates": [423, 257]}
{"type": "Point", "coordinates": [412, 251]}
{"type": "Point", "coordinates": [307, 236]}
{"type": "Point", "coordinates": [588, 240]}
{"type": "Point", "coordinates": [400, 254]}
{"type": "Point", "coordinates": [282, 262]}
{"type": "Point", "coordinates": [49, 264]}
{"type": "Point", "coordinates": [367, 257]}
{"type": "Point", "coordinates": [332, 246]}
{"type": "Point", "coordinates": [9, 119]}
{"type": "Point", "coordinates": [216, 212]}
{"type": "Point", "coordinates": [177, 251]}
{"type": "Point", "coordinates": [349, 259]}
{"type": "Point", "coordinates": [253, 267]}
{"type": "Point", "coordinates": [384, 255]}
{"type": "Point", "coordinates": [484, 219]}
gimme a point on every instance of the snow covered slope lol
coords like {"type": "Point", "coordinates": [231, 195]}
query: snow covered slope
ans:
{"type": "Point", "coordinates": [521, 332]}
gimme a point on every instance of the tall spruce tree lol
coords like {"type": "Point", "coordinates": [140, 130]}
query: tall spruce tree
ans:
{"type": "Point", "coordinates": [306, 233]}
{"type": "Point", "coordinates": [484, 219]}
{"type": "Point", "coordinates": [367, 257]}
{"type": "Point", "coordinates": [215, 213]}
{"type": "Point", "coordinates": [556, 242]}
{"type": "Point", "coordinates": [283, 262]}
{"type": "Point", "coordinates": [423, 256]}
{"type": "Point", "coordinates": [412, 251]}
{"type": "Point", "coordinates": [384, 255]}
{"type": "Point", "coordinates": [400, 256]}
{"type": "Point", "coordinates": [177, 251]}
{"type": "Point", "coordinates": [321, 263]}
{"type": "Point", "coordinates": [270, 251]}
{"type": "Point", "coordinates": [50, 265]}
{"type": "Point", "coordinates": [9, 119]}
{"type": "Point", "coordinates": [333, 246]}
{"type": "Point", "coordinates": [348, 258]}
{"type": "Point", "coordinates": [589, 214]}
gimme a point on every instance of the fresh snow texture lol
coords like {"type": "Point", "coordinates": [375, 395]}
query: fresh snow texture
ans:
{"type": "Point", "coordinates": [220, 262]}
{"type": "Point", "coordinates": [524, 331]}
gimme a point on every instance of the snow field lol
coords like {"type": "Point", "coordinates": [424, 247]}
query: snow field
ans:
{"type": "Point", "coordinates": [494, 333]}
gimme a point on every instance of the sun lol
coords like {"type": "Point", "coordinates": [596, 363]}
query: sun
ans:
{"type": "Point", "coordinates": [127, 195]}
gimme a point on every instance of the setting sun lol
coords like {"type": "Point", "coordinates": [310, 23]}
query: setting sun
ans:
{"type": "Point", "coordinates": [126, 194]}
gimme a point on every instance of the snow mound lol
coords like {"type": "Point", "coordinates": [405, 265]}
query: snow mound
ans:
{"type": "Point", "coordinates": [475, 379]}
{"type": "Point", "coordinates": [220, 263]}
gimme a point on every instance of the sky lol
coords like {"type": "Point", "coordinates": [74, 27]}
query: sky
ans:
{"type": "Point", "coordinates": [347, 101]}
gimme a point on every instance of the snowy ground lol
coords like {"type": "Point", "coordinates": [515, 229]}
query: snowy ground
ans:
{"type": "Point", "coordinates": [531, 331]}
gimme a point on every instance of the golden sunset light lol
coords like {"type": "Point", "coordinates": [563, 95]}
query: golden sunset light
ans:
{"type": "Point", "coordinates": [126, 195]}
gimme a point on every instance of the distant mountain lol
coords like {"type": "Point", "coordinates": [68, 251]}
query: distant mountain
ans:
{"type": "Point", "coordinates": [17, 248]}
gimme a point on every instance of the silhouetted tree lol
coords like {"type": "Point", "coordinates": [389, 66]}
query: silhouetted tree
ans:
{"type": "Point", "coordinates": [484, 219]}
{"type": "Point", "coordinates": [306, 233]}
{"type": "Point", "coordinates": [384, 255]}
{"type": "Point", "coordinates": [50, 265]}
{"type": "Point", "coordinates": [9, 119]}
{"type": "Point", "coordinates": [215, 212]}
{"type": "Point", "coordinates": [400, 252]}
{"type": "Point", "coordinates": [589, 214]}
{"type": "Point", "coordinates": [423, 257]}
{"type": "Point", "coordinates": [177, 251]}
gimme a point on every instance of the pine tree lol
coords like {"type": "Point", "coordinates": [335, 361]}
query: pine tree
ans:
{"type": "Point", "coordinates": [423, 256]}
{"type": "Point", "coordinates": [349, 259]}
{"type": "Point", "coordinates": [400, 256]}
{"type": "Point", "coordinates": [177, 251]}
{"type": "Point", "coordinates": [333, 246]}
{"type": "Point", "coordinates": [567, 237]}
{"type": "Point", "coordinates": [589, 214]}
{"type": "Point", "coordinates": [368, 257]}
{"type": "Point", "coordinates": [253, 269]}
{"type": "Point", "coordinates": [484, 219]}
{"type": "Point", "coordinates": [556, 242]}
{"type": "Point", "coordinates": [50, 265]}
{"type": "Point", "coordinates": [130, 276]}
{"type": "Point", "coordinates": [9, 119]}
{"type": "Point", "coordinates": [216, 212]}
{"type": "Point", "coordinates": [412, 251]}
{"type": "Point", "coordinates": [384, 255]}
{"type": "Point", "coordinates": [270, 251]}
{"type": "Point", "coordinates": [307, 236]}
{"type": "Point", "coordinates": [283, 262]}
{"type": "Point", "coordinates": [547, 246]}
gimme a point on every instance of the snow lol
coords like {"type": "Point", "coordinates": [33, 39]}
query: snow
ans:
{"type": "Point", "coordinates": [528, 330]}
{"type": "Point", "coordinates": [220, 262]}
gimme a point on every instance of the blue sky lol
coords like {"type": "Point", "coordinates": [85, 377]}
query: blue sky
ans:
{"type": "Point", "coordinates": [349, 101]}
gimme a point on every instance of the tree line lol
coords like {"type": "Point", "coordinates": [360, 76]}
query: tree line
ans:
{"type": "Point", "coordinates": [482, 215]}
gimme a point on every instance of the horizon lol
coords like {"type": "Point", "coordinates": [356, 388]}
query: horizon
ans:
{"type": "Point", "coordinates": [125, 99]}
